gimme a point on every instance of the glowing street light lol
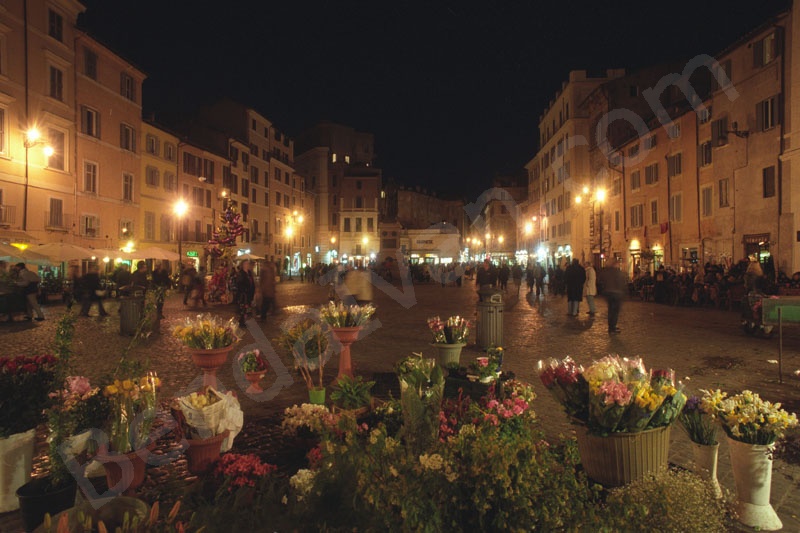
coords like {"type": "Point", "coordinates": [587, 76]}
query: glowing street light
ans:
{"type": "Point", "coordinates": [180, 209]}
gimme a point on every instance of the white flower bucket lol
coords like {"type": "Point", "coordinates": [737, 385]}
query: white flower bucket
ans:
{"type": "Point", "coordinates": [752, 472]}
{"type": "Point", "coordinates": [16, 461]}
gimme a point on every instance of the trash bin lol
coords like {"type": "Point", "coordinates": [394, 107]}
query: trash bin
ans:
{"type": "Point", "coordinates": [489, 329]}
{"type": "Point", "coordinates": [131, 311]}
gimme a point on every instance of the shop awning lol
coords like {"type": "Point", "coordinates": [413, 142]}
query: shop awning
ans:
{"type": "Point", "coordinates": [14, 235]}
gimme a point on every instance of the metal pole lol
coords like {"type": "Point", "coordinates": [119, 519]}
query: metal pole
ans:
{"type": "Point", "coordinates": [780, 344]}
{"type": "Point", "coordinates": [180, 242]}
{"type": "Point", "coordinates": [25, 191]}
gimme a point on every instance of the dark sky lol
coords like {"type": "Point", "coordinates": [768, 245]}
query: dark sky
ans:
{"type": "Point", "coordinates": [451, 89]}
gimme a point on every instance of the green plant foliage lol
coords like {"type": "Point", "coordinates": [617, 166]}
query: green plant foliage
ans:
{"type": "Point", "coordinates": [352, 393]}
{"type": "Point", "coordinates": [672, 501]}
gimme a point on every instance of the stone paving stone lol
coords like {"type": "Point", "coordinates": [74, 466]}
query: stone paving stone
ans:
{"type": "Point", "coordinates": [706, 347]}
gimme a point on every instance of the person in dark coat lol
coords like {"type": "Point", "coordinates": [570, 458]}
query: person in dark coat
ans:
{"type": "Point", "coordinates": [615, 285]}
{"type": "Point", "coordinates": [486, 277]}
{"type": "Point", "coordinates": [574, 278]}
{"type": "Point", "coordinates": [90, 285]}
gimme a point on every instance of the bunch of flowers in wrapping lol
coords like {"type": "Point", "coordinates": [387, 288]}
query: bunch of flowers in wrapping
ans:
{"type": "Point", "coordinates": [207, 332]}
{"type": "Point", "coordinates": [455, 330]}
{"type": "Point", "coordinates": [25, 385]}
{"type": "Point", "coordinates": [78, 406]}
{"type": "Point", "coordinates": [747, 418]}
{"type": "Point", "coordinates": [133, 410]}
{"type": "Point", "coordinates": [253, 361]}
{"type": "Point", "coordinates": [663, 383]}
{"type": "Point", "coordinates": [346, 316]}
{"type": "Point", "coordinates": [565, 380]}
{"type": "Point", "coordinates": [698, 423]}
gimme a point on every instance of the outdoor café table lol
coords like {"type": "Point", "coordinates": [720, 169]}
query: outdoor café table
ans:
{"type": "Point", "coordinates": [776, 311]}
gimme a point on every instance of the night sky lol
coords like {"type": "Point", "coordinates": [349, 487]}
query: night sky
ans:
{"type": "Point", "coordinates": [451, 89]}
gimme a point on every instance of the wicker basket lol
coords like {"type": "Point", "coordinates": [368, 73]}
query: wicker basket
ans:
{"type": "Point", "coordinates": [620, 458]}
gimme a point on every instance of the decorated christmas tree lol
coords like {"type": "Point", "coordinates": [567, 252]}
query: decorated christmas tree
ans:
{"type": "Point", "coordinates": [222, 246]}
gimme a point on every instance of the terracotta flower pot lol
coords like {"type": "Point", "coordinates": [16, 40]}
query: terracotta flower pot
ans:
{"type": "Point", "coordinates": [125, 472]}
{"type": "Point", "coordinates": [346, 336]}
{"type": "Point", "coordinates": [202, 453]}
{"type": "Point", "coordinates": [254, 378]}
{"type": "Point", "coordinates": [209, 361]}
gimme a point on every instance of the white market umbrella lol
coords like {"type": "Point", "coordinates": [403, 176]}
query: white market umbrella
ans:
{"type": "Point", "coordinates": [61, 251]}
{"type": "Point", "coordinates": [12, 254]}
{"type": "Point", "coordinates": [249, 257]}
{"type": "Point", "coordinates": [154, 252]}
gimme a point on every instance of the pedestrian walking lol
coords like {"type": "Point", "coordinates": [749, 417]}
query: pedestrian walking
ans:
{"type": "Point", "coordinates": [187, 282]}
{"type": "Point", "coordinates": [161, 283]}
{"type": "Point", "coordinates": [29, 281]}
{"type": "Point", "coordinates": [90, 291]}
{"type": "Point", "coordinates": [72, 290]}
{"type": "Point", "coordinates": [614, 287]}
{"type": "Point", "coordinates": [574, 279]}
{"type": "Point", "coordinates": [590, 287]}
{"type": "Point", "coordinates": [516, 274]}
{"type": "Point", "coordinates": [266, 285]}
{"type": "Point", "coordinates": [538, 276]}
{"type": "Point", "coordinates": [502, 276]}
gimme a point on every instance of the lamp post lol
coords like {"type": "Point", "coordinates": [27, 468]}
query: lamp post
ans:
{"type": "Point", "coordinates": [32, 138]}
{"type": "Point", "coordinates": [598, 197]}
{"type": "Point", "coordinates": [486, 245]}
{"type": "Point", "coordinates": [180, 208]}
{"type": "Point", "coordinates": [291, 220]}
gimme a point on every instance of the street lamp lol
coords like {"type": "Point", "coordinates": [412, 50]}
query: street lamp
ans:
{"type": "Point", "coordinates": [180, 208]}
{"type": "Point", "coordinates": [598, 198]}
{"type": "Point", "coordinates": [32, 138]}
{"type": "Point", "coordinates": [291, 220]}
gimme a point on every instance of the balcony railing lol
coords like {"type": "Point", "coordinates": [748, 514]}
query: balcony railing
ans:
{"type": "Point", "coordinates": [54, 220]}
{"type": "Point", "coordinates": [7, 214]}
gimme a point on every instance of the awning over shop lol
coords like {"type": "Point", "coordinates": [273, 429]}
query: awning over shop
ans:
{"type": "Point", "coordinates": [14, 235]}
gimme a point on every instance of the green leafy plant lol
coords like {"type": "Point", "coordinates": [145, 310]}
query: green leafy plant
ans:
{"type": "Point", "coordinates": [352, 393]}
{"type": "Point", "coordinates": [307, 342]}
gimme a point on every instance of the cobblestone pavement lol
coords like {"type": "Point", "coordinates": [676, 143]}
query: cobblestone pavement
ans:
{"type": "Point", "coordinates": [705, 346]}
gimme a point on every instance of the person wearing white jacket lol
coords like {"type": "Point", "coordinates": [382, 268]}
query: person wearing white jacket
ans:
{"type": "Point", "coordinates": [590, 287]}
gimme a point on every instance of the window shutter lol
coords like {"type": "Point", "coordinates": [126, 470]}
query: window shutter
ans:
{"type": "Point", "coordinates": [759, 116]}
{"type": "Point", "coordinates": [758, 53]}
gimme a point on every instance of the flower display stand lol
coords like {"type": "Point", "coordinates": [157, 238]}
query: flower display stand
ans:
{"type": "Point", "coordinates": [448, 353]}
{"type": "Point", "coordinates": [209, 361]}
{"type": "Point", "coordinates": [619, 458]}
{"type": "Point", "coordinates": [705, 464]}
{"type": "Point", "coordinates": [16, 459]}
{"type": "Point", "coordinates": [752, 473]}
{"type": "Point", "coordinates": [253, 378]}
{"type": "Point", "coordinates": [346, 337]}
{"type": "Point", "coordinates": [202, 453]}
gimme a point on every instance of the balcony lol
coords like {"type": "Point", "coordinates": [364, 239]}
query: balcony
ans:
{"type": "Point", "coordinates": [7, 214]}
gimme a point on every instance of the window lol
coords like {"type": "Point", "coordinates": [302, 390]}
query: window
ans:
{"type": "Point", "coordinates": [633, 151]}
{"type": "Point", "coordinates": [768, 180]}
{"type": "Point", "coordinates": [724, 183]}
{"type": "Point", "coordinates": [2, 131]}
{"type": "Point", "coordinates": [706, 197]}
{"type": "Point", "coordinates": [653, 211]}
{"type": "Point", "coordinates": [651, 174]}
{"type": "Point", "coordinates": [650, 142]}
{"type": "Point", "coordinates": [723, 68]}
{"type": "Point", "coordinates": [127, 138]}
{"type": "Point", "coordinates": [90, 177]}
{"type": "Point", "coordinates": [370, 224]}
{"type": "Point", "coordinates": [191, 164]}
{"type": "Point", "coordinates": [277, 198]}
{"type": "Point", "coordinates": [246, 188]}
{"type": "Point", "coordinates": [56, 83]}
{"type": "Point", "coordinates": [675, 208]}
{"type": "Point", "coordinates": [170, 181]}
{"type": "Point", "coordinates": [208, 198]}
{"type": "Point", "coordinates": [55, 217]}
{"type": "Point", "coordinates": [286, 177]}
{"type": "Point", "coordinates": [704, 154]}
{"type": "Point", "coordinates": [674, 130]}
{"type": "Point", "coordinates": [766, 114]}
{"type": "Point", "coordinates": [90, 226]}
{"type": "Point", "coordinates": [254, 174]}
{"type": "Point", "coordinates": [764, 50]}
{"type": "Point", "coordinates": [285, 200]}
{"type": "Point", "coordinates": [149, 225]}
{"type": "Point", "coordinates": [55, 25]}
{"type": "Point", "coordinates": [616, 220]}
{"type": "Point", "coordinates": [151, 144]}
{"type": "Point", "coordinates": [359, 225]}
{"type": "Point", "coordinates": [335, 219]}
{"type": "Point", "coordinates": [277, 174]}
{"type": "Point", "coordinates": [674, 165]}
{"type": "Point", "coordinates": [127, 187]}
{"type": "Point", "coordinates": [637, 214]}
{"type": "Point", "coordinates": [359, 202]}
{"type": "Point", "coordinates": [125, 229]}
{"type": "Point", "coordinates": [254, 200]}
{"type": "Point", "coordinates": [347, 224]}
{"type": "Point", "coordinates": [165, 228]}
{"type": "Point", "coordinates": [90, 63]}
{"type": "Point", "coordinates": [705, 114]}
{"type": "Point", "coordinates": [333, 158]}
{"type": "Point", "coordinates": [151, 176]}
{"type": "Point", "coordinates": [169, 151]}
{"type": "Point", "coordinates": [616, 188]}
{"type": "Point", "coordinates": [90, 122]}
{"type": "Point", "coordinates": [636, 180]}
{"type": "Point", "coordinates": [58, 142]}
{"type": "Point", "coordinates": [719, 132]}
{"type": "Point", "coordinates": [127, 87]}
{"type": "Point", "coordinates": [208, 171]}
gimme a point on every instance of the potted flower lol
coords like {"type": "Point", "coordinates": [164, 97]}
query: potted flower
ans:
{"type": "Point", "coordinates": [485, 368]}
{"type": "Point", "coordinates": [421, 393]}
{"type": "Point", "coordinates": [307, 422]}
{"type": "Point", "coordinates": [209, 421]}
{"type": "Point", "coordinates": [701, 428]}
{"type": "Point", "coordinates": [25, 386]}
{"type": "Point", "coordinates": [254, 365]}
{"type": "Point", "coordinates": [449, 337]}
{"type": "Point", "coordinates": [353, 395]}
{"type": "Point", "coordinates": [752, 426]}
{"type": "Point", "coordinates": [621, 411]}
{"type": "Point", "coordinates": [209, 340]}
{"type": "Point", "coordinates": [307, 342]}
{"type": "Point", "coordinates": [345, 322]}
{"type": "Point", "coordinates": [132, 402]}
